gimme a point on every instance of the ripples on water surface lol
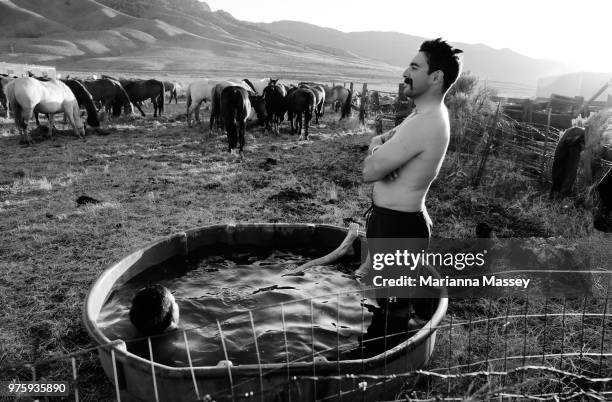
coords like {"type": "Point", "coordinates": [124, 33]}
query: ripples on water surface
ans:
{"type": "Point", "coordinates": [226, 287]}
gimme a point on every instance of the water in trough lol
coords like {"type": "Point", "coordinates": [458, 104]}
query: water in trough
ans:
{"type": "Point", "coordinates": [226, 287]}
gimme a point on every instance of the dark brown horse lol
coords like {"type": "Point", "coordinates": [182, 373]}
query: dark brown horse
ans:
{"type": "Point", "coordinates": [319, 99]}
{"type": "Point", "coordinates": [84, 99]}
{"type": "Point", "coordinates": [110, 94]}
{"type": "Point", "coordinates": [300, 104]}
{"type": "Point", "coordinates": [257, 102]}
{"type": "Point", "coordinates": [234, 109]}
{"type": "Point", "coordinates": [141, 90]}
{"type": "Point", "coordinates": [276, 106]}
{"type": "Point", "coordinates": [236, 105]}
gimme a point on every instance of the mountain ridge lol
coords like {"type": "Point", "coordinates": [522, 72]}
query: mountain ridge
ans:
{"type": "Point", "coordinates": [397, 49]}
{"type": "Point", "coordinates": [187, 36]}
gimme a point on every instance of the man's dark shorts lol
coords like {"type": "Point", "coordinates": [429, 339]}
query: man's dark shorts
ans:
{"type": "Point", "coordinates": [414, 227]}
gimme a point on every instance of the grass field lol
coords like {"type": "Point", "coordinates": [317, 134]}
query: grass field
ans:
{"type": "Point", "coordinates": [155, 177]}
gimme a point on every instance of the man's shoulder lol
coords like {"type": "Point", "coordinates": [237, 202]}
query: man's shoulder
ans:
{"type": "Point", "coordinates": [426, 125]}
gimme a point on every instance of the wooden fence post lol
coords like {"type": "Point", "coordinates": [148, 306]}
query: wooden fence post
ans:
{"type": "Point", "coordinates": [375, 108]}
{"type": "Point", "coordinates": [363, 105]}
{"type": "Point", "coordinates": [546, 134]}
{"type": "Point", "coordinates": [488, 144]}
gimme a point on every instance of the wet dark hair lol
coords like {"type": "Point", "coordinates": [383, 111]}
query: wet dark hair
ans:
{"type": "Point", "coordinates": [441, 56]}
{"type": "Point", "coordinates": [151, 311]}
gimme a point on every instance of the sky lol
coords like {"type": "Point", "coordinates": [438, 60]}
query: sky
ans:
{"type": "Point", "coordinates": [576, 32]}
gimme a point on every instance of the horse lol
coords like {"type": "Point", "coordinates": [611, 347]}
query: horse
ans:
{"type": "Point", "coordinates": [300, 103]}
{"type": "Point", "coordinates": [276, 106]}
{"type": "Point", "coordinates": [566, 161]}
{"type": "Point", "coordinates": [172, 88]}
{"type": "Point", "coordinates": [147, 89]}
{"type": "Point", "coordinates": [602, 220]}
{"type": "Point", "coordinates": [341, 95]}
{"type": "Point", "coordinates": [235, 107]}
{"type": "Point", "coordinates": [215, 95]}
{"type": "Point", "coordinates": [4, 80]}
{"type": "Point", "coordinates": [197, 92]}
{"type": "Point", "coordinates": [85, 99]}
{"type": "Point", "coordinates": [319, 92]}
{"type": "Point", "coordinates": [28, 95]}
{"type": "Point", "coordinates": [110, 94]}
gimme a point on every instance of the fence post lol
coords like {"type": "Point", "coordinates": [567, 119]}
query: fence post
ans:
{"type": "Point", "coordinates": [363, 105]}
{"type": "Point", "coordinates": [375, 107]}
{"type": "Point", "coordinates": [488, 144]}
{"type": "Point", "coordinates": [543, 176]}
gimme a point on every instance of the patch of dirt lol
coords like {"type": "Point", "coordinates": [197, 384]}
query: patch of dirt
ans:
{"type": "Point", "coordinates": [289, 194]}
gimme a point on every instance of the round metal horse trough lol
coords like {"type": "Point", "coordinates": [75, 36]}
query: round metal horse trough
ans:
{"type": "Point", "coordinates": [132, 375]}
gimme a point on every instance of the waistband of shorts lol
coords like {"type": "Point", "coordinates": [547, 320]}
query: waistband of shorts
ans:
{"type": "Point", "coordinates": [389, 211]}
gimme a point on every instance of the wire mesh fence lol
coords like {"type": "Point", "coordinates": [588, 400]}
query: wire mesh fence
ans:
{"type": "Point", "coordinates": [534, 348]}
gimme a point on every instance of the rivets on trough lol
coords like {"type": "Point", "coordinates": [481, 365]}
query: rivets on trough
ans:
{"type": "Point", "coordinates": [184, 244]}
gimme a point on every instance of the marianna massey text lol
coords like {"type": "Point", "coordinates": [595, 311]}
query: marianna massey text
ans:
{"type": "Point", "coordinates": [484, 281]}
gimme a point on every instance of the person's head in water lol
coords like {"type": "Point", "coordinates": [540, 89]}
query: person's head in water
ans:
{"type": "Point", "coordinates": [433, 70]}
{"type": "Point", "coordinates": [154, 310]}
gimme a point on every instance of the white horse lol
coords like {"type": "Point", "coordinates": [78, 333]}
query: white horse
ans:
{"type": "Point", "coordinates": [197, 92]}
{"type": "Point", "coordinates": [28, 95]}
{"type": "Point", "coordinates": [202, 91]}
{"type": "Point", "coordinates": [215, 96]}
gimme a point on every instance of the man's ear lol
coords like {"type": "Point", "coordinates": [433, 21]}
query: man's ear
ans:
{"type": "Point", "coordinates": [437, 76]}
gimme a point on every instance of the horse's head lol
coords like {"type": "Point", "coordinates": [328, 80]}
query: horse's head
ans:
{"type": "Point", "coordinates": [79, 125]}
{"type": "Point", "coordinates": [259, 105]}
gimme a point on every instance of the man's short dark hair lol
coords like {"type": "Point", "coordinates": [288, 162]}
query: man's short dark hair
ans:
{"type": "Point", "coordinates": [441, 56]}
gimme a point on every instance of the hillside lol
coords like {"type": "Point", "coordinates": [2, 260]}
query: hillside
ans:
{"type": "Point", "coordinates": [147, 37]}
{"type": "Point", "coordinates": [397, 49]}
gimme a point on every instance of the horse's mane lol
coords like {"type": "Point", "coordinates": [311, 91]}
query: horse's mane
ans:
{"type": "Point", "coordinates": [109, 77]}
{"type": "Point", "coordinates": [121, 97]}
{"type": "Point", "coordinates": [250, 84]}
{"type": "Point", "coordinates": [84, 98]}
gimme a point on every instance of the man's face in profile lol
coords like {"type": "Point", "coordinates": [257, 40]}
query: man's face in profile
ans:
{"type": "Point", "coordinates": [416, 79]}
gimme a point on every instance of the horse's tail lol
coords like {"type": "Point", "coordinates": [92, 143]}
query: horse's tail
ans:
{"type": "Point", "coordinates": [9, 92]}
{"type": "Point", "coordinates": [161, 97]}
{"type": "Point", "coordinates": [346, 108]}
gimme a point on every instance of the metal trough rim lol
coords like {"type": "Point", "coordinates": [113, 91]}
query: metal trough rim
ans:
{"type": "Point", "coordinates": [322, 366]}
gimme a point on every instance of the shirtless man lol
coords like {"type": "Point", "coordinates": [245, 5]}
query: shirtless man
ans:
{"type": "Point", "coordinates": [403, 162]}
